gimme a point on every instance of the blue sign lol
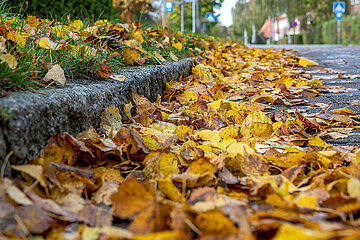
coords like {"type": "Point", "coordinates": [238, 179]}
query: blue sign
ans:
{"type": "Point", "coordinates": [210, 17]}
{"type": "Point", "coordinates": [339, 16]}
{"type": "Point", "coordinates": [294, 23]}
{"type": "Point", "coordinates": [169, 6]}
{"type": "Point", "coordinates": [339, 7]}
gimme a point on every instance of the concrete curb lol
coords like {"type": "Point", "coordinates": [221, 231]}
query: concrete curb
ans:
{"type": "Point", "coordinates": [28, 119]}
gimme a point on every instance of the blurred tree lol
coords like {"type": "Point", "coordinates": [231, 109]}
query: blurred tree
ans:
{"type": "Point", "coordinates": [90, 9]}
{"type": "Point", "coordinates": [133, 10]}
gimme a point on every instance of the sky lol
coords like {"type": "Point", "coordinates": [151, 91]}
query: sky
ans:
{"type": "Point", "coordinates": [225, 12]}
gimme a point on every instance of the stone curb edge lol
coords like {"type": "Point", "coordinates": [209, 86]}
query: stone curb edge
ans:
{"type": "Point", "coordinates": [29, 119]}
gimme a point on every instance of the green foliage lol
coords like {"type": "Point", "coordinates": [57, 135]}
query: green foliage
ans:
{"type": "Point", "coordinates": [318, 36]}
{"type": "Point", "coordinates": [89, 9]}
{"type": "Point", "coordinates": [326, 33]}
{"type": "Point", "coordinates": [308, 37]}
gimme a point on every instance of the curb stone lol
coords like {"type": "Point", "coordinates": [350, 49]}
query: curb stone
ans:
{"type": "Point", "coordinates": [28, 119]}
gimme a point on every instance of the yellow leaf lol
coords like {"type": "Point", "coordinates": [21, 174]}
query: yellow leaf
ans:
{"type": "Point", "coordinates": [238, 148]}
{"type": "Point", "coordinates": [202, 167]}
{"type": "Point", "coordinates": [160, 57]}
{"type": "Point", "coordinates": [187, 96]}
{"type": "Point", "coordinates": [90, 233]}
{"type": "Point", "coordinates": [208, 135]}
{"type": "Point", "coordinates": [304, 62]}
{"type": "Point", "coordinates": [144, 52]}
{"type": "Point", "coordinates": [317, 142]}
{"type": "Point", "coordinates": [231, 131]}
{"type": "Point", "coordinates": [279, 183]}
{"type": "Point", "coordinates": [277, 125]}
{"type": "Point", "coordinates": [77, 24]}
{"type": "Point", "coordinates": [256, 124]}
{"type": "Point", "coordinates": [130, 55]}
{"type": "Point", "coordinates": [9, 59]}
{"type": "Point", "coordinates": [138, 36]}
{"type": "Point", "coordinates": [101, 22]}
{"type": "Point", "coordinates": [166, 235]}
{"type": "Point", "coordinates": [177, 46]}
{"type": "Point", "coordinates": [168, 188]}
{"type": "Point", "coordinates": [251, 106]}
{"type": "Point", "coordinates": [35, 171]}
{"type": "Point", "coordinates": [17, 38]}
{"type": "Point", "coordinates": [354, 188]}
{"type": "Point", "coordinates": [293, 232]}
{"type": "Point", "coordinates": [184, 131]}
{"type": "Point", "coordinates": [343, 111]}
{"type": "Point", "coordinates": [214, 222]}
{"type": "Point", "coordinates": [127, 110]}
{"type": "Point", "coordinates": [56, 73]}
{"type": "Point", "coordinates": [307, 202]}
{"type": "Point", "coordinates": [160, 164]}
{"type": "Point", "coordinates": [223, 104]}
{"type": "Point", "coordinates": [115, 232]}
{"type": "Point", "coordinates": [108, 174]}
{"type": "Point", "coordinates": [64, 32]}
{"type": "Point", "coordinates": [47, 43]}
{"type": "Point", "coordinates": [33, 21]}
{"type": "Point", "coordinates": [10, 21]}
{"type": "Point", "coordinates": [43, 42]}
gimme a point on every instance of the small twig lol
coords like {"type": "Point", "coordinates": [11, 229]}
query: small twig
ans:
{"type": "Point", "coordinates": [6, 160]}
{"type": "Point", "coordinates": [22, 225]}
{"type": "Point", "coordinates": [193, 227]}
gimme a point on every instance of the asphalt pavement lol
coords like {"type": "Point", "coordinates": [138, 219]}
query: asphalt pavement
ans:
{"type": "Point", "coordinates": [344, 62]}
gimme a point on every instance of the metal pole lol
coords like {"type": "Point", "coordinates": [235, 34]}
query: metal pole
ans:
{"type": "Point", "coordinates": [182, 16]}
{"type": "Point", "coordinates": [193, 16]}
{"type": "Point", "coordinates": [288, 31]}
{"type": "Point", "coordinates": [269, 30]}
{"type": "Point", "coordinates": [198, 16]}
{"type": "Point", "coordinates": [163, 13]}
{"type": "Point", "coordinates": [338, 32]}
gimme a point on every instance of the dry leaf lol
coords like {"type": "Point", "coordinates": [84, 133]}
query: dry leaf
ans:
{"type": "Point", "coordinates": [305, 62]}
{"type": "Point", "coordinates": [110, 121]}
{"type": "Point", "coordinates": [9, 59]}
{"type": "Point", "coordinates": [56, 73]}
{"type": "Point", "coordinates": [119, 78]}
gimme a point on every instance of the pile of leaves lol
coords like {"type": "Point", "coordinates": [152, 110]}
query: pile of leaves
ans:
{"type": "Point", "coordinates": [40, 52]}
{"type": "Point", "coordinates": [208, 160]}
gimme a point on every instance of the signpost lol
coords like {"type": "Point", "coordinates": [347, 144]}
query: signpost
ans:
{"type": "Point", "coordinates": [169, 6]}
{"type": "Point", "coordinates": [210, 17]}
{"type": "Point", "coordinates": [339, 9]}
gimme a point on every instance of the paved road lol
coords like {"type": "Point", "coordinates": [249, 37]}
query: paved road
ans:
{"type": "Point", "coordinates": [344, 59]}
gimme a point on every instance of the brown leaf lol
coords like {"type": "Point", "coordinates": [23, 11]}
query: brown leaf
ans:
{"type": "Point", "coordinates": [110, 121]}
{"type": "Point", "coordinates": [132, 198]}
{"type": "Point", "coordinates": [65, 149]}
{"type": "Point", "coordinates": [56, 73]}
{"type": "Point", "coordinates": [312, 124]}
{"type": "Point", "coordinates": [215, 222]}
{"type": "Point", "coordinates": [95, 216]}
{"type": "Point", "coordinates": [35, 219]}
